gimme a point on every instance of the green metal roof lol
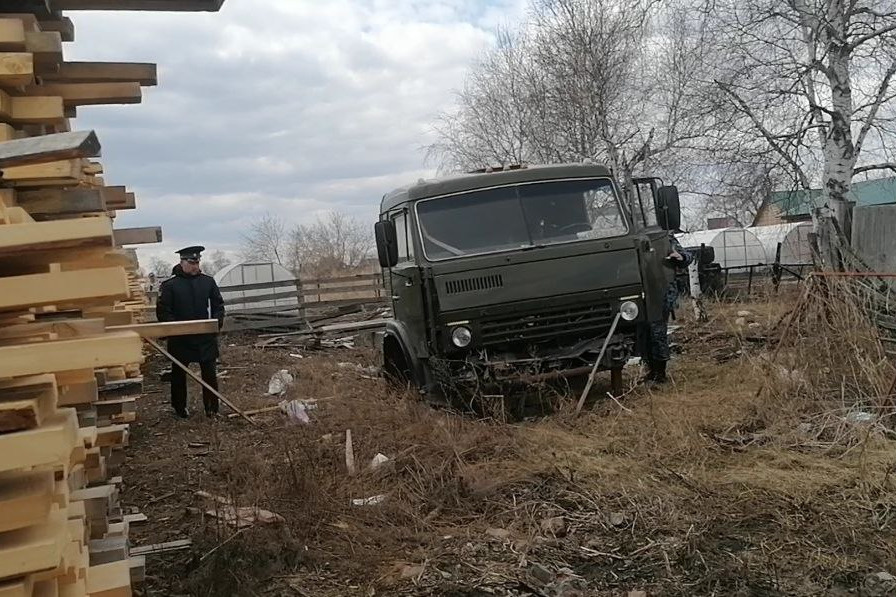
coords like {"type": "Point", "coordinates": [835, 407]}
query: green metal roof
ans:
{"type": "Point", "coordinates": [796, 204]}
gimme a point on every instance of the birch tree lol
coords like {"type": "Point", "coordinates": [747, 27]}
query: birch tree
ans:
{"type": "Point", "coordinates": [812, 80]}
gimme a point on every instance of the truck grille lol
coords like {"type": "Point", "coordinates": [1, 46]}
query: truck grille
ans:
{"type": "Point", "coordinates": [579, 321]}
{"type": "Point", "coordinates": [471, 284]}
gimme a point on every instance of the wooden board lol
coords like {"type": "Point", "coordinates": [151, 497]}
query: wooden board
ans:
{"type": "Point", "coordinates": [78, 394]}
{"type": "Point", "coordinates": [33, 548]}
{"type": "Point", "coordinates": [64, 26]}
{"type": "Point", "coordinates": [12, 35]}
{"type": "Point", "coordinates": [26, 402]}
{"type": "Point", "coordinates": [90, 286]}
{"type": "Point", "coordinates": [110, 580]}
{"type": "Point", "coordinates": [90, 94]}
{"type": "Point", "coordinates": [59, 329]}
{"type": "Point", "coordinates": [166, 5]}
{"type": "Point", "coordinates": [49, 445]}
{"type": "Point", "coordinates": [46, 46]}
{"type": "Point", "coordinates": [146, 74]}
{"type": "Point", "coordinates": [48, 148]}
{"type": "Point", "coordinates": [170, 328]}
{"type": "Point", "coordinates": [61, 172]}
{"type": "Point", "coordinates": [54, 202]}
{"type": "Point", "coordinates": [138, 236]}
{"type": "Point", "coordinates": [25, 499]}
{"type": "Point", "coordinates": [16, 69]}
{"type": "Point", "coordinates": [32, 109]}
{"type": "Point", "coordinates": [61, 234]}
{"type": "Point", "coordinates": [80, 353]}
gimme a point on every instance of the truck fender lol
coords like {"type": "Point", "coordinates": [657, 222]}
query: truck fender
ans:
{"type": "Point", "coordinates": [396, 335]}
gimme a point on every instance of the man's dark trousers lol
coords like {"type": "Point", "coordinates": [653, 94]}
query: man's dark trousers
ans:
{"type": "Point", "coordinates": [179, 387]}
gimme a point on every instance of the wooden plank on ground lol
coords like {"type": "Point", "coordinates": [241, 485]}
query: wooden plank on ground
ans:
{"type": "Point", "coordinates": [16, 69]}
{"type": "Point", "coordinates": [170, 328]}
{"type": "Point", "coordinates": [59, 234]}
{"type": "Point", "coordinates": [90, 94]}
{"type": "Point", "coordinates": [138, 236]}
{"type": "Point", "coordinates": [79, 353]}
{"type": "Point", "coordinates": [25, 499]}
{"type": "Point", "coordinates": [88, 286]}
{"type": "Point", "coordinates": [48, 148]}
{"type": "Point", "coordinates": [51, 444]}
{"type": "Point", "coordinates": [146, 74]}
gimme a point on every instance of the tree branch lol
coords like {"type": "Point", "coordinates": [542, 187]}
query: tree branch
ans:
{"type": "Point", "coordinates": [870, 167]}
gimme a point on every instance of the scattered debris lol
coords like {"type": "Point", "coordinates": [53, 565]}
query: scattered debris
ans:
{"type": "Point", "coordinates": [541, 574]}
{"type": "Point", "coordinates": [860, 417]}
{"type": "Point", "coordinates": [374, 500]}
{"type": "Point", "coordinates": [500, 534]}
{"type": "Point", "coordinates": [296, 410]}
{"type": "Point", "coordinates": [238, 516]}
{"type": "Point", "coordinates": [617, 519]}
{"type": "Point", "coordinates": [156, 548]}
{"type": "Point", "coordinates": [880, 584]}
{"type": "Point", "coordinates": [744, 313]}
{"type": "Point", "coordinates": [366, 372]}
{"type": "Point", "coordinates": [637, 594]}
{"type": "Point", "coordinates": [279, 383]}
{"type": "Point", "coordinates": [378, 461]}
{"type": "Point", "coordinates": [349, 453]}
{"type": "Point", "coordinates": [555, 526]}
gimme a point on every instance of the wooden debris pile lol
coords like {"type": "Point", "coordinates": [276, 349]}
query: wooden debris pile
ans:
{"type": "Point", "coordinates": [70, 299]}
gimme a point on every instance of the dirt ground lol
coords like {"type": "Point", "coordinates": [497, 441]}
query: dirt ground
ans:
{"type": "Point", "coordinates": [705, 487]}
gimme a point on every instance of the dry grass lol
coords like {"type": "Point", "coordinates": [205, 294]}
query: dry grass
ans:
{"type": "Point", "coordinates": [706, 487]}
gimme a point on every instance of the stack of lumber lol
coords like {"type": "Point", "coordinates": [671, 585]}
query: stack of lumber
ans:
{"type": "Point", "coordinates": [71, 299]}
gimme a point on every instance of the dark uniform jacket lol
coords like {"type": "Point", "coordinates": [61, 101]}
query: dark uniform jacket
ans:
{"type": "Point", "coordinates": [183, 298]}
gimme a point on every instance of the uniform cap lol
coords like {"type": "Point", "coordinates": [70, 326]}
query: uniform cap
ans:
{"type": "Point", "coordinates": [191, 252]}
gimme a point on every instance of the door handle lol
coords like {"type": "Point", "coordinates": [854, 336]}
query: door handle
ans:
{"type": "Point", "coordinates": [395, 297]}
{"type": "Point", "coordinates": [408, 283]}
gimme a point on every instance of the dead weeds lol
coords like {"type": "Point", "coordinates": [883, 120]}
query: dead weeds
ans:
{"type": "Point", "coordinates": [705, 487]}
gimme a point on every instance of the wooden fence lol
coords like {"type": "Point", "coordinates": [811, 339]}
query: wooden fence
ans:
{"type": "Point", "coordinates": [312, 297]}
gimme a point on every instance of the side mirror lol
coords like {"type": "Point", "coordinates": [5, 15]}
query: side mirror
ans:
{"type": "Point", "coordinates": [668, 208]}
{"type": "Point", "coordinates": [386, 243]}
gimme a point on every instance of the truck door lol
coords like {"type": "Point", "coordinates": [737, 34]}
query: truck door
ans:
{"type": "Point", "coordinates": [406, 286]}
{"type": "Point", "coordinates": [654, 247]}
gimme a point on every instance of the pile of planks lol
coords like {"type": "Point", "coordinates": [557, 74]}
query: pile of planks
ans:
{"type": "Point", "coordinates": [70, 300]}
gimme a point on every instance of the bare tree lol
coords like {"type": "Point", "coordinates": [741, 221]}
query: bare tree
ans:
{"type": "Point", "coordinates": [215, 262]}
{"type": "Point", "coordinates": [333, 243]}
{"type": "Point", "coordinates": [265, 240]}
{"type": "Point", "coordinates": [812, 81]}
{"type": "Point", "coordinates": [160, 267]}
{"type": "Point", "coordinates": [614, 81]}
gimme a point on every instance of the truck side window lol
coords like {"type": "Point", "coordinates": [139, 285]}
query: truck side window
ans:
{"type": "Point", "coordinates": [644, 192]}
{"type": "Point", "coordinates": [405, 247]}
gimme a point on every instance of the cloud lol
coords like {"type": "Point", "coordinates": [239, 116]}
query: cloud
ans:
{"type": "Point", "coordinates": [296, 109]}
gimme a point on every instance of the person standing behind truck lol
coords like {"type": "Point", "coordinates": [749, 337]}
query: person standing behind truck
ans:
{"type": "Point", "coordinates": [189, 295]}
{"type": "Point", "coordinates": [655, 334]}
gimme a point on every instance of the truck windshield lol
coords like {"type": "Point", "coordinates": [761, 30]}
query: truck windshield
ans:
{"type": "Point", "coordinates": [519, 217]}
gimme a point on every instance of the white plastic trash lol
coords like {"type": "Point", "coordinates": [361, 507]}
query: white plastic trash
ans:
{"type": "Point", "coordinates": [279, 382]}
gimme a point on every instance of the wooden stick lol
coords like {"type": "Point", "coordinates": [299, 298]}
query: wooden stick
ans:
{"type": "Point", "coordinates": [349, 452]}
{"type": "Point", "coordinates": [603, 349]}
{"type": "Point", "coordinates": [171, 358]}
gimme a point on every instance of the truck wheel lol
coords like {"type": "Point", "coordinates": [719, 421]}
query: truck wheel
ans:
{"type": "Point", "coordinates": [616, 385]}
{"type": "Point", "coordinates": [395, 365]}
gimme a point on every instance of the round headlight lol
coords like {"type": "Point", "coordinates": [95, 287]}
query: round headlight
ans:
{"type": "Point", "coordinates": [461, 337]}
{"type": "Point", "coordinates": [629, 310]}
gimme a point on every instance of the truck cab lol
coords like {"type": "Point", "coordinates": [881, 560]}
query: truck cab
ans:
{"type": "Point", "coordinates": [518, 274]}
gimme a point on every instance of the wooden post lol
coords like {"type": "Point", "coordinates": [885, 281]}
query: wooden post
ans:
{"type": "Point", "coordinates": [776, 269]}
{"type": "Point", "coordinates": [171, 358]}
{"type": "Point", "coordinates": [600, 356]}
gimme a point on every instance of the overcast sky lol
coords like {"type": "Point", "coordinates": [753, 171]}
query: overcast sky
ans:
{"type": "Point", "coordinates": [293, 107]}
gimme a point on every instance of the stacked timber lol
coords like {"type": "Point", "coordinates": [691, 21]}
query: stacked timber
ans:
{"type": "Point", "coordinates": [70, 300]}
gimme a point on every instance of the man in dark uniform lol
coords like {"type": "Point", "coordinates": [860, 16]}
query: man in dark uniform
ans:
{"type": "Point", "coordinates": [188, 295]}
{"type": "Point", "coordinates": [657, 353]}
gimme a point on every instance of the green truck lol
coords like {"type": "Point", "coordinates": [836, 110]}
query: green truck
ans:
{"type": "Point", "coordinates": [517, 274]}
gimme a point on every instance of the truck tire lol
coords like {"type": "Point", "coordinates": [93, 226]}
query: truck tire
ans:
{"type": "Point", "coordinates": [395, 363]}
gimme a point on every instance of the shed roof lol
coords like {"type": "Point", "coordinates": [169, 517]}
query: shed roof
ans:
{"type": "Point", "coordinates": [799, 204]}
